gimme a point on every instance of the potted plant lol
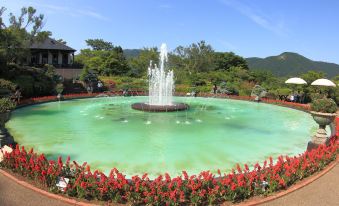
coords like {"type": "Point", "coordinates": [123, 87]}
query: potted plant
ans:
{"type": "Point", "coordinates": [6, 105]}
{"type": "Point", "coordinates": [323, 112]}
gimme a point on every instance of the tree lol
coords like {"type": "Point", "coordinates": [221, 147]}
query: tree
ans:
{"type": "Point", "coordinates": [100, 44]}
{"type": "Point", "coordinates": [116, 64]}
{"type": "Point", "coordinates": [20, 33]}
{"type": "Point", "coordinates": [225, 60]}
{"type": "Point", "coordinates": [312, 92]}
{"type": "Point", "coordinates": [259, 76]}
{"type": "Point", "coordinates": [238, 74]}
{"type": "Point", "coordinates": [62, 41]}
{"type": "Point", "coordinates": [198, 57]}
{"type": "Point", "coordinates": [104, 59]}
{"type": "Point", "coordinates": [311, 76]}
{"type": "Point", "coordinates": [140, 64]}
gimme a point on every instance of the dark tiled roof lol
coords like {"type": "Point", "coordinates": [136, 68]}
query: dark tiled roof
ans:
{"type": "Point", "coordinates": [51, 44]}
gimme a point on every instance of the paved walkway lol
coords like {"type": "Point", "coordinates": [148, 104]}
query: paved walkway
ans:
{"type": "Point", "coordinates": [324, 191]}
{"type": "Point", "coordinates": [13, 194]}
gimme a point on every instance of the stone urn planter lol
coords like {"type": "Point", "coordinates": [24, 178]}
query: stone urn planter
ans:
{"type": "Point", "coordinates": [322, 119]}
{"type": "Point", "coordinates": [4, 117]}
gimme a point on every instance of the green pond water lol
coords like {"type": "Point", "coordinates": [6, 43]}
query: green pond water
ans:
{"type": "Point", "coordinates": [213, 134]}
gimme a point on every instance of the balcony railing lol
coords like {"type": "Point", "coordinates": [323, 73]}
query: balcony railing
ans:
{"type": "Point", "coordinates": [64, 66]}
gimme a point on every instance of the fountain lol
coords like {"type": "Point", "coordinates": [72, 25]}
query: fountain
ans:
{"type": "Point", "coordinates": [214, 133]}
{"type": "Point", "coordinates": [161, 87]}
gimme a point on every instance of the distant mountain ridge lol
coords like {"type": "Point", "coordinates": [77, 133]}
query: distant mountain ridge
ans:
{"type": "Point", "coordinates": [289, 63]}
{"type": "Point", "coordinates": [131, 53]}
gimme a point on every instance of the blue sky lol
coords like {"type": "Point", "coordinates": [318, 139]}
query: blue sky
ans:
{"type": "Point", "coordinates": [249, 28]}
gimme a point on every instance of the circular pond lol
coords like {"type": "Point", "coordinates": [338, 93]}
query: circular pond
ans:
{"type": "Point", "coordinates": [213, 134]}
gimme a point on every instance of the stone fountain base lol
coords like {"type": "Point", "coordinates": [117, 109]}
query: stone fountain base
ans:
{"type": "Point", "coordinates": [160, 108]}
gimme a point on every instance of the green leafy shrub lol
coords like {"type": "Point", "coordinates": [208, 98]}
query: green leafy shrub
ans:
{"type": "Point", "coordinates": [124, 82]}
{"type": "Point", "coordinates": [59, 88]}
{"type": "Point", "coordinates": [6, 84]}
{"type": "Point", "coordinates": [182, 88]}
{"type": "Point", "coordinates": [6, 88]}
{"type": "Point", "coordinates": [6, 104]}
{"type": "Point", "coordinates": [32, 81]}
{"type": "Point", "coordinates": [316, 96]}
{"type": "Point", "coordinates": [283, 91]}
{"type": "Point", "coordinates": [336, 95]}
{"type": "Point", "coordinates": [324, 105]}
{"type": "Point", "coordinates": [26, 83]}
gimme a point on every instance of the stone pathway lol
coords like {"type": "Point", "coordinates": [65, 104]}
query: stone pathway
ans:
{"type": "Point", "coordinates": [324, 191]}
{"type": "Point", "coordinates": [13, 194]}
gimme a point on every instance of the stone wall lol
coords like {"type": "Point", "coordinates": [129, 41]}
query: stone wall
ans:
{"type": "Point", "coordinates": [68, 73]}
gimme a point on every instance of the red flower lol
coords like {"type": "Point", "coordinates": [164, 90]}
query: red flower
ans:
{"type": "Point", "coordinates": [238, 168]}
{"type": "Point", "coordinates": [43, 172]}
{"type": "Point", "coordinates": [68, 160]}
{"type": "Point", "coordinates": [282, 182]}
{"type": "Point", "coordinates": [233, 186]}
{"type": "Point", "coordinates": [168, 177]}
{"type": "Point", "coordinates": [144, 176]}
{"type": "Point", "coordinates": [185, 175]}
{"type": "Point", "coordinates": [83, 185]}
{"type": "Point", "coordinates": [60, 161]}
{"type": "Point", "coordinates": [246, 168]}
{"type": "Point", "coordinates": [88, 168]}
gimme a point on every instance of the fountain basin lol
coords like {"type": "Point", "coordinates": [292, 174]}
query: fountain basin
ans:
{"type": "Point", "coordinates": [160, 108]}
{"type": "Point", "coordinates": [213, 134]}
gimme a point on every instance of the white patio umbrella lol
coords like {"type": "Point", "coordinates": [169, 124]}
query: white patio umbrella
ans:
{"type": "Point", "coordinates": [295, 80]}
{"type": "Point", "coordinates": [323, 82]}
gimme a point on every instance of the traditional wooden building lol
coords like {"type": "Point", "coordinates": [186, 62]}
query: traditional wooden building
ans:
{"type": "Point", "coordinates": [51, 52]}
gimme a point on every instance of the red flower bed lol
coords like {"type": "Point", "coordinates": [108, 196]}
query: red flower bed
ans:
{"type": "Point", "coordinates": [202, 189]}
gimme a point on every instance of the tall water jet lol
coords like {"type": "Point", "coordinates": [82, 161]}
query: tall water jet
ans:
{"type": "Point", "coordinates": [161, 84]}
{"type": "Point", "coordinates": [161, 87]}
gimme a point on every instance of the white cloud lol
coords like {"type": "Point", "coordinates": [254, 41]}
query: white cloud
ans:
{"type": "Point", "coordinates": [52, 8]}
{"type": "Point", "coordinates": [277, 27]}
{"type": "Point", "coordinates": [92, 14]}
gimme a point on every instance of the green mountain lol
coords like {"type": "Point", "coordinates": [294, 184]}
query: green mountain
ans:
{"type": "Point", "coordinates": [291, 64]}
{"type": "Point", "coordinates": [131, 53]}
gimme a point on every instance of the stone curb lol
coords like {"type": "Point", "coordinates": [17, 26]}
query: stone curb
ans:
{"type": "Point", "coordinates": [43, 192]}
{"type": "Point", "coordinates": [249, 203]}
{"type": "Point", "coordinates": [293, 188]}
